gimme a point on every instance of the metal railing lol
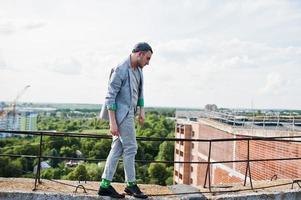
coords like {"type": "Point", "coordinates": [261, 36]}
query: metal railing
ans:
{"type": "Point", "coordinates": [209, 163]}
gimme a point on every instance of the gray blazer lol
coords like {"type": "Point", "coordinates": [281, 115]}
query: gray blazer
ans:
{"type": "Point", "coordinates": [119, 95]}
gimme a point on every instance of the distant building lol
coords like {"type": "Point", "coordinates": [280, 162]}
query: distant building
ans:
{"type": "Point", "coordinates": [28, 121]}
{"type": "Point", "coordinates": [211, 107]}
{"type": "Point", "coordinates": [20, 121]}
{"type": "Point", "coordinates": [44, 165]}
{"type": "Point", "coordinates": [73, 163]}
{"type": "Point", "coordinates": [214, 125]}
{"type": "Point", "coordinates": [2, 106]}
{"type": "Point", "coordinates": [2, 116]}
{"type": "Point", "coordinates": [9, 122]}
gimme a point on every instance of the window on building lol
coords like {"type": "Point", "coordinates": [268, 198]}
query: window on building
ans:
{"type": "Point", "coordinates": [180, 176]}
{"type": "Point", "coordinates": [181, 153]}
{"type": "Point", "coordinates": [192, 133]}
{"type": "Point", "coordinates": [176, 173]}
{"type": "Point", "coordinates": [192, 145]}
{"type": "Point", "coordinates": [181, 142]}
{"type": "Point", "coordinates": [191, 181]}
{"type": "Point", "coordinates": [177, 151]}
{"type": "Point", "coordinates": [191, 169]}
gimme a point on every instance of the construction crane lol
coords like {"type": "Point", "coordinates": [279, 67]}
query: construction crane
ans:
{"type": "Point", "coordinates": [12, 106]}
{"type": "Point", "coordinates": [14, 103]}
{"type": "Point", "coordinates": [1, 111]}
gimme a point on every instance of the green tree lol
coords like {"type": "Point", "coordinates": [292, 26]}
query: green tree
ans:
{"type": "Point", "coordinates": [52, 161]}
{"type": "Point", "coordinates": [67, 152]}
{"type": "Point", "coordinates": [169, 175]}
{"type": "Point", "coordinates": [51, 173]}
{"type": "Point", "coordinates": [157, 173]}
{"type": "Point", "coordinates": [54, 142]}
{"type": "Point", "coordinates": [142, 173]}
{"type": "Point", "coordinates": [79, 173]}
{"type": "Point", "coordinates": [94, 171]}
{"type": "Point", "coordinates": [166, 151]}
{"type": "Point", "coordinates": [101, 149]}
{"type": "Point", "coordinates": [10, 168]}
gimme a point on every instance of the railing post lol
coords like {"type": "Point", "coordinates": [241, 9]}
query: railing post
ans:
{"type": "Point", "coordinates": [208, 169]}
{"type": "Point", "coordinates": [38, 174]}
{"type": "Point", "coordinates": [248, 168]}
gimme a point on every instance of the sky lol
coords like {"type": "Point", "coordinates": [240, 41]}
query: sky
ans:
{"type": "Point", "coordinates": [235, 54]}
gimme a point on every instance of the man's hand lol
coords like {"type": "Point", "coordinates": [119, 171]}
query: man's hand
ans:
{"type": "Point", "coordinates": [141, 120]}
{"type": "Point", "coordinates": [113, 125]}
{"type": "Point", "coordinates": [114, 129]}
{"type": "Point", "coordinates": [141, 116]}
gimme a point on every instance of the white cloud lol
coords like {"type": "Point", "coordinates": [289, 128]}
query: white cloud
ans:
{"type": "Point", "coordinates": [181, 50]}
{"type": "Point", "coordinates": [12, 26]}
{"type": "Point", "coordinates": [239, 62]}
{"type": "Point", "coordinates": [7, 28]}
{"type": "Point", "coordinates": [2, 63]}
{"type": "Point", "coordinates": [34, 25]}
{"type": "Point", "coordinates": [67, 66]}
{"type": "Point", "coordinates": [274, 84]}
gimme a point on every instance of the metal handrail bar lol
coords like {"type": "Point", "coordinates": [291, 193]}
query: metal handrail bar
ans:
{"type": "Point", "coordinates": [80, 135]}
{"type": "Point", "coordinates": [154, 161]}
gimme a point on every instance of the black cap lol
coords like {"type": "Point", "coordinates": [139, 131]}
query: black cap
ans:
{"type": "Point", "coordinates": [142, 46]}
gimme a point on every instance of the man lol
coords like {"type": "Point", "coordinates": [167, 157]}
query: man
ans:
{"type": "Point", "coordinates": [125, 95]}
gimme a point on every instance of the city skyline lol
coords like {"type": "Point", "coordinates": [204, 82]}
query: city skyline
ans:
{"type": "Point", "coordinates": [235, 54]}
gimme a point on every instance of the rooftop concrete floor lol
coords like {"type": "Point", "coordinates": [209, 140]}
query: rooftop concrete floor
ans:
{"type": "Point", "coordinates": [21, 188]}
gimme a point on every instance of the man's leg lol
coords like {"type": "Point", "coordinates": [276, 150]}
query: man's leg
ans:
{"type": "Point", "coordinates": [105, 188]}
{"type": "Point", "coordinates": [129, 144]}
{"type": "Point", "coordinates": [112, 160]}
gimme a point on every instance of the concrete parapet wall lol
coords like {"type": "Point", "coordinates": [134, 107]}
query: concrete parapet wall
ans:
{"type": "Point", "coordinates": [42, 196]}
{"type": "Point", "coordinates": [57, 196]}
{"type": "Point", "coordinates": [287, 195]}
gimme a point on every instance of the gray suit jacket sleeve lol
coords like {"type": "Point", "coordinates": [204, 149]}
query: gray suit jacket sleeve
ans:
{"type": "Point", "coordinates": [114, 86]}
{"type": "Point", "coordinates": [115, 83]}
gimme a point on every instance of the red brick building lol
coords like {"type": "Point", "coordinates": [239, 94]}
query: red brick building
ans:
{"type": "Point", "coordinates": [205, 128]}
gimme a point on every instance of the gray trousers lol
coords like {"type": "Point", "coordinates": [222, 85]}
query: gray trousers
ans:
{"type": "Point", "coordinates": [125, 145]}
